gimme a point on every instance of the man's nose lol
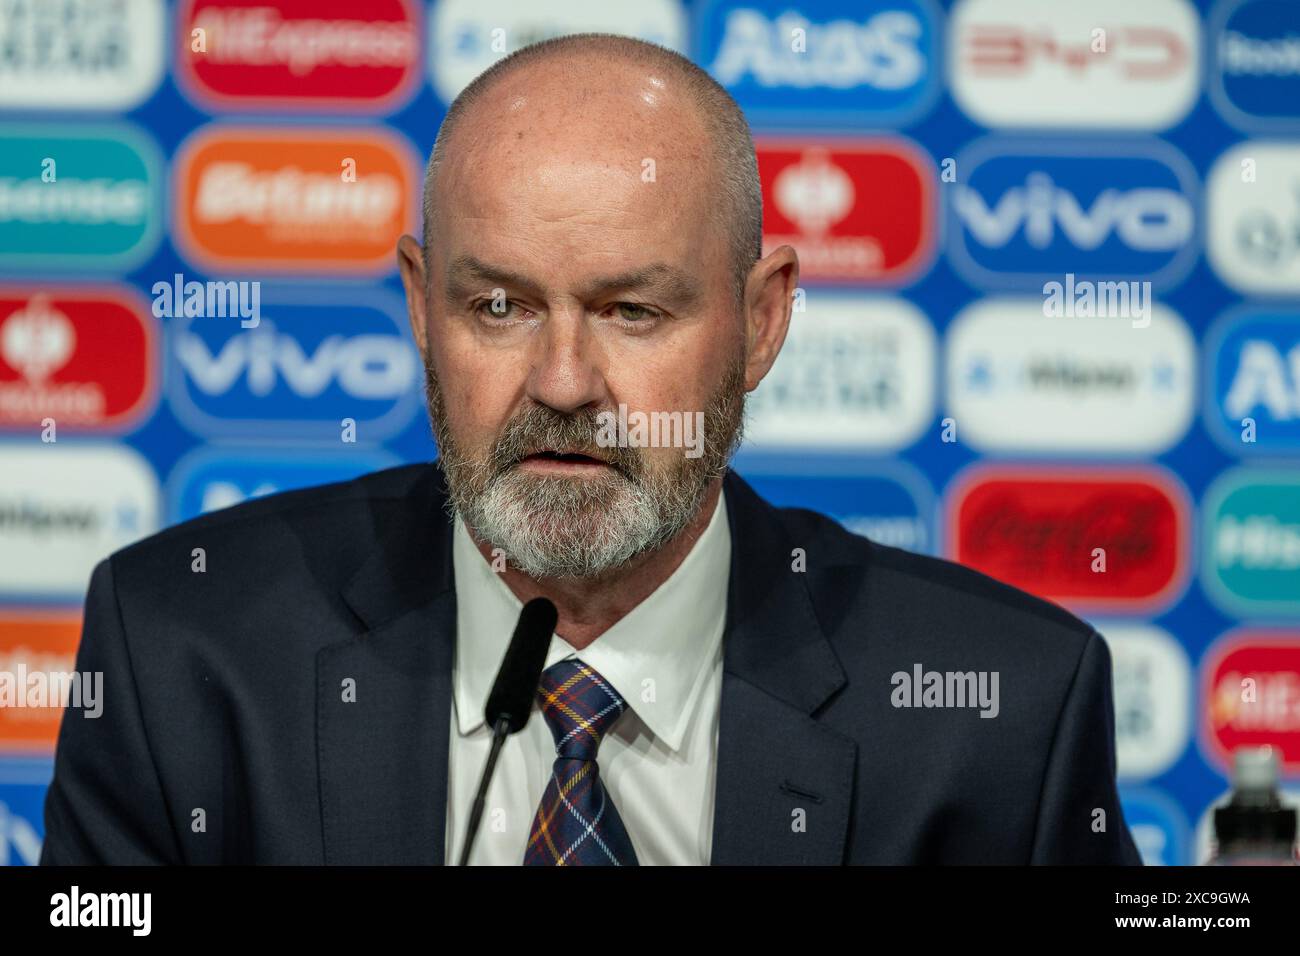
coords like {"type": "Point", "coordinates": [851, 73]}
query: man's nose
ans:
{"type": "Point", "coordinates": [567, 362]}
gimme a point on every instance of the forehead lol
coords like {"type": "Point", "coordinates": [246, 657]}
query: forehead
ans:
{"type": "Point", "coordinates": [552, 167]}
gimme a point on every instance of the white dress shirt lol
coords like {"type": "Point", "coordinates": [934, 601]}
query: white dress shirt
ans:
{"type": "Point", "coordinates": [657, 760]}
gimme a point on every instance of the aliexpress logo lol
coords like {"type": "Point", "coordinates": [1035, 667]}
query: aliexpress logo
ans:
{"type": "Point", "coordinates": [1100, 539]}
{"type": "Point", "coordinates": [1251, 696]}
{"type": "Point", "coordinates": [320, 201]}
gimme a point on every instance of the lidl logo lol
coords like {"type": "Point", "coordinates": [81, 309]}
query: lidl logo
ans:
{"type": "Point", "coordinates": [1024, 214]}
{"type": "Point", "coordinates": [1251, 542]}
{"type": "Point", "coordinates": [874, 62]}
{"type": "Point", "coordinates": [210, 479]}
{"type": "Point", "coordinates": [1251, 696]}
{"type": "Point", "coordinates": [1255, 72]}
{"type": "Point", "coordinates": [332, 55]}
{"type": "Point", "coordinates": [86, 358]}
{"type": "Point", "coordinates": [309, 364]}
{"type": "Point", "coordinates": [1108, 540]}
{"type": "Point", "coordinates": [1253, 372]}
{"type": "Point", "coordinates": [320, 201]}
{"type": "Point", "coordinates": [855, 210]}
{"type": "Point", "coordinates": [77, 198]}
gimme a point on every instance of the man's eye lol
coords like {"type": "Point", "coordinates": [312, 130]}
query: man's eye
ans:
{"type": "Point", "coordinates": [497, 309]}
{"type": "Point", "coordinates": [635, 312]}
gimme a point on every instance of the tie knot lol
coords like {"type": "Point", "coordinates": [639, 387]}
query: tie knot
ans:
{"type": "Point", "coordinates": [579, 706]}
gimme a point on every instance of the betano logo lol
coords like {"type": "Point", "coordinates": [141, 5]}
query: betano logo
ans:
{"type": "Point", "coordinates": [86, 358]}
{"type": "Point", "coordinates": [1251, 696]}
{"type": "Point", "coordinates": [1255, 78]}
{"type": "Point", "coordinates": [789, 64]}
{"type": "Point", "coordinates": [1104, 63]}
{"type": "Point", "coordinates": [1022, 215]}
{"type": "Point", "coordinates": [1251, 542]}
{"type": "Point", "coordinates": [311, 362]}
{"type": "Point", "coordinates": [1097, 539]}
{"type": "Point", "coordinates": [35, 643]}
{"type": "Point", "coordinates": [323, 201]}
{"type": "Point", "coordinates": [1253, 375]}
{"type": "Point", "coordinates": [855, 210]}
{"type": "Point", "coordinates": [299, 54]}
{"type": "Point", "coordinates": [78, 198]}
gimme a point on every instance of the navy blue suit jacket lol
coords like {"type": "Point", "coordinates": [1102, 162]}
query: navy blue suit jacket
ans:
{"type": "Point", "coordinates": [223, 700]}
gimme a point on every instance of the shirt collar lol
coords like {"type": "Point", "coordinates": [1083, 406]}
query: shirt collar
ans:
{"type": "Point", "coordinates": [657, 656]}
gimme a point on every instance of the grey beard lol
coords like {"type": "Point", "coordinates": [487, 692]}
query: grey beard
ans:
{"type": "Point", "coordinates": [552, 526]}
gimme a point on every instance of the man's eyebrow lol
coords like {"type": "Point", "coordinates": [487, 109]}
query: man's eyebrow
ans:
{"type": "Point", "coordinates": [660, 279]}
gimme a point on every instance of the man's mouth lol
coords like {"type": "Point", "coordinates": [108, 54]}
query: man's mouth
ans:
{"type": "Point", "coordinates": [556, 461]}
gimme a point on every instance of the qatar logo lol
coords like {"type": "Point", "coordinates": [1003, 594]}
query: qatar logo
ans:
{"type": "Point", "coordinates": [85, 358]}
{"type": "Point", "coordinates": [1255, 64]}
{"type": "Point", "coordinates": [80, 54]}
{"type": "Point", "coordinates": [468, 36]}
{"type": "Point", "coordinates": [312, 365]}
{"type": "Point", "coordinates": [209, 480]}
{"type": "Point", "coordinates": [1097, 540]}
{"type": "Point", "coordinates": [790, 65]}
{"type": "Point", "coordinates": [330, 55]}
{"type": "Point", "coordinates": [1023, 383]}
{"type": "Point", "coordinates": [1104, 63]}
{"type": "Point", "coordinates": [1253, 382]}
{"type": "Point", "coordinates": [78, 198]}
{"type": "Point", "coordinates": [1025, 214]}
{"type": "Point", "coordinates": [1251, 696]}
{"type": "Point", "coordinates": [323, 201]}
{"type": "Point", "coordinates": [856, 211]}
{"type": "Point", "coordinates": [1251, 542]}
{"type": "Point", "coordinates": [856, 373]}
{"type": "Point", "coordinates": [1253, 218]}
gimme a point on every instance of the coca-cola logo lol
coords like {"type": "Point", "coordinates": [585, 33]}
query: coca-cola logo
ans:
{"type": "Point", "coordinates": [1100, 539]}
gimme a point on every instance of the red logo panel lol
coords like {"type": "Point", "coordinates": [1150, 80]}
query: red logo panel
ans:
{"type": "Point", "coordinates": [1106, 540]}
{"type": "Point", "coordinates": [854, 210]}
{"type": "Point", "coordinates": [1251, 696]}
{"type": "Point", "coordinates": [325, 54]}
{"type": "Point", "coordinates": [86, 358]}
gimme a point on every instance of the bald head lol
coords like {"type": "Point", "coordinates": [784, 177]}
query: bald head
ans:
{"type": "Point", "coordinates": [638, 108]}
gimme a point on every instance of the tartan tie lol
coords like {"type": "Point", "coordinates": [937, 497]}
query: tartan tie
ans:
{"type": "Point", "coordinates": [576, 822]}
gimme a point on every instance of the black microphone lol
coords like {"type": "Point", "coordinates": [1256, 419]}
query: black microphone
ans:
{"type": "Point", "coordinates": [513, 693]}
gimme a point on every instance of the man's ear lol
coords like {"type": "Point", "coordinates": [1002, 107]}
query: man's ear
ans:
{"type": "Point", "coordinates": [769, 298]}
{"type": "Point", "coordinates": [410, 262]}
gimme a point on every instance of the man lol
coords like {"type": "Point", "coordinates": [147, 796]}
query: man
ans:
{"type": "Point", "coordinates": [726, 684]}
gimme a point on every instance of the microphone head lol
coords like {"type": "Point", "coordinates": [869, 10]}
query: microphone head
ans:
{"type": "Point", "coordinates": [516, 685]}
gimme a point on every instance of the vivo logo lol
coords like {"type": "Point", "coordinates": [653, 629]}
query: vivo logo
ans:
{"type": "Point", "coordinates": [365, 366]}
{"type": "Point", "coordinates": [307, 366]}
{"type": "Point", "coordinates": [1023, 219]}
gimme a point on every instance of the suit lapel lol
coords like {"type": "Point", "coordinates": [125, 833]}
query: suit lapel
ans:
{"type": "Point", "coordinates": [784, 790]}
{"type": "Point", "coordinates": [382, 749]}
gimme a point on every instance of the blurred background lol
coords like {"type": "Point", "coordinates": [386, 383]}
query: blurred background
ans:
{"type": "Point", "coordinates": [1048, 325]}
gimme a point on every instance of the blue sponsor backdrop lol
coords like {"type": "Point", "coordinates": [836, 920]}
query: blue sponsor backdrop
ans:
{"type": "Point", "coordinates": [247, 411]}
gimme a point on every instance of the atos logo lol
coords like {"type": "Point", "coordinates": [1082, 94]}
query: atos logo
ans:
{"type": "Point", "coordinates": [1253, 370]}
{"type": "Point", "coordinates": [1108, 540]}
{"type": "Point", "coordinates": [1255, 77]}
{"type": "Point", "coordinates": [856, 211]}
{"type": "Point", "coordinates": [308, 365]}
{"type": "Point", "coordinates": [875, 61]}
{"type": "Point", "coordinates": [1025, 215]}
{"type": "Point", "coordinates": [208, 480]}
{"type": "Point", "coordinates": [1251, 696]}
{"type": "Point", "coordinates": [297, 54]}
